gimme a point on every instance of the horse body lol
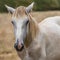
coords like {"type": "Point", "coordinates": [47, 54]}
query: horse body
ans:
{"type": "Point", "coordinates": [46, 45]}
{"type": "Point", "coordinates": [50, 28]}
{"type": "Point", "coordinates": [35, 41]}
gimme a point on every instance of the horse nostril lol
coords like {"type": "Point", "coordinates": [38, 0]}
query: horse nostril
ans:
{"type": "Point", "coordinates": [15, 45]}
{"type": "Point", "coordinates": [22, 47]}
{"type": "Point", "coordinates": [19, 47]}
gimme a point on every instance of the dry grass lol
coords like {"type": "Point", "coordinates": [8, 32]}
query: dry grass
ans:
{"type": "Point", "coordinates": [7, 51]}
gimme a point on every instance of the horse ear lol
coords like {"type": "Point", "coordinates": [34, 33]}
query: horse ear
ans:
{"type": "Point", "coordinates": [29, 8]}
{"type": "Point", "coordinates": [10, 9]}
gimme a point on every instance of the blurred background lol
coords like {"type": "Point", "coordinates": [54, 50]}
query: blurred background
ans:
{"type": "Point", "coordinates": [41, 10]}
{"type": "Point", "coordinates": [40, 5]}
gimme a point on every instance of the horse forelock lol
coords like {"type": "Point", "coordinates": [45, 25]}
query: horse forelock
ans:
{"type": "Point", "coordinates": [20, 12]}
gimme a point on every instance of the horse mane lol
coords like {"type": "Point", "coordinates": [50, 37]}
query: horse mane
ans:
{"type": "Point", "coordinates": [33, 27]}
{"type": "Point", "coordinates": [19, 12]}
{"type": "Point", "coordinates": [33, 30]}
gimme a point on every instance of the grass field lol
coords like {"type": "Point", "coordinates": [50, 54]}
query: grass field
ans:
{"type": "Point", "coordinates": [7, 51]}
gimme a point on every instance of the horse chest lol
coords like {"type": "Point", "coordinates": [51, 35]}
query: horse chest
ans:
{"type": "Point", "coordinates": [35, 54]}
{"type": "Point", "coordinates": [34, 51]}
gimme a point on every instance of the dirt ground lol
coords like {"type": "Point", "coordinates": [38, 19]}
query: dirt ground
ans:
{"type": "Point", "coordinates": [7, 51]}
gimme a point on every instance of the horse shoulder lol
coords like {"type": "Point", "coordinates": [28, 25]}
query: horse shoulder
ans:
{"type": "Point", "coordinates": [51, 30]}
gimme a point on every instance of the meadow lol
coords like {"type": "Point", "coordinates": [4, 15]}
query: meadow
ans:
{"type": "Point", "coordinates": [7, 51]}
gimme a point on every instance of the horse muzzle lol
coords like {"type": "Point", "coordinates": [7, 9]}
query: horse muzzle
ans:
{"type": "Point", "coordinates": [19, 47]}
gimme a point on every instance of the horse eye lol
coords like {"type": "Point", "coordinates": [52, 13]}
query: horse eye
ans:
{"type": "Point", "coordinates": [13, 22]}
{"type": "Point", "coordinates": [27, 22]}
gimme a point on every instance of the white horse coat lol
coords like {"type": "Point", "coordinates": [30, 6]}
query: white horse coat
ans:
{"type": "Point", "coordinates": [46, 45]}
{"type": "Point", "coordinates": [50, 29]}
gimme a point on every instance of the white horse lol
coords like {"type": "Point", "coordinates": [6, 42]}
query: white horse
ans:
{"type": "Point", "coordinates": [35, 41]}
